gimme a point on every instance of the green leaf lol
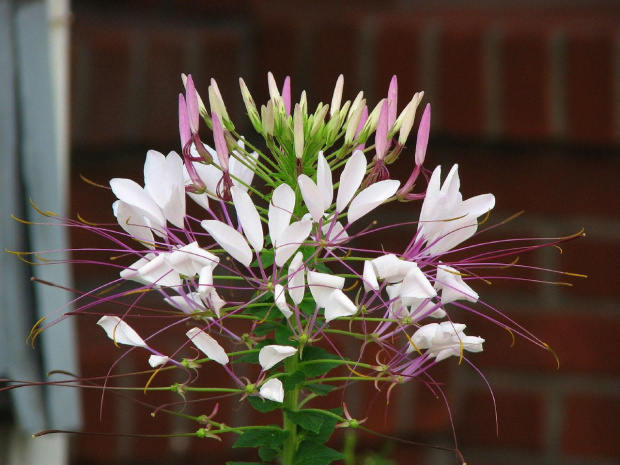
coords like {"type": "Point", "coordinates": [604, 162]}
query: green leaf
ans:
{"type": "Point", "coordinates": [267, 453]}
{"type": "Point", "coordinates": [263, 405]}
{"type": "Point", "coordinates": [321, 389]}
{"type": "Point", "coordinates": [290, 382]}
{"type": "Point", "coordinates": [307, 306]}
{"type": "Point", "coordinates": [271, 437]}
{"type": "Point", "coordinates": [266, 327]}
{"type": "Point", "coordinates": [326, 430]}
{"type": "Point", "coordinates": [283, 333]}
{"type": "Point", "coordinates": [266, 258]}
{"type": "Point", "coordinates": [244, 463]}
{"type": "Point", "coordinates": [311, 453]}
{"type": "Point", "coordinates": [311, 421]}
{"type": "Point", "coordinates": [313, 370]}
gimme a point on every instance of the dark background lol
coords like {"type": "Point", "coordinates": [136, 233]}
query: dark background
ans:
{"type": "Point", "coordinates": [525, 97]}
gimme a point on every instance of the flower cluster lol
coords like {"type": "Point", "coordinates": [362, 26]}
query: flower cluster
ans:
{"type": "Point", "coordinates": [273, 241]}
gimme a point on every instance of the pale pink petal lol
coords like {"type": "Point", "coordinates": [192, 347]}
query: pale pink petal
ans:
{"type": "Point", "coordinates": [423, 132]}
{"type": "Point", "coordinates": [230, 240]}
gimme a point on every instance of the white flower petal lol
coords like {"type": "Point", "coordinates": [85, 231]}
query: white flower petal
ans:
{"type": "Point", "coordinates": [131, 193]}
{"type": "Point", "coordinates": [296, 279]}
{"type": "Point", "coordinates": [338, 304]}
{"type": "Point", "coordinates": [351, 179]}
{"type": "Point", "coordinates": [272, 390]}
{"type": "Point", "coordinates": [273, 354]}
{"type": "Point", "coordinates": [322, 285]}
{"type": "Point", "coordinates": [207, 345]}
{"type": "Point", "coordinates": [416, 285]}
{"type": "Point", "coordinates": [452, 286]}
{"type": "Point", "coordinates": [248, 217]}
{"type": "Point", "coordinates": [280, 299]}
{"type": "Point", "coordinates": [159, 272]}
{"type": "Point", "coordinates": [158, 360]}
{"type": "Point", "coordinates": [290, 240]}
{"type": "Point", "coordinates": [371, 197]}
{"type": "Point", "coordinates": [131, 272]}
{"type": "Point", "coordinates": [120, 332]}
{"type": "Point", "coordinates": [312, 197]}
{"type": "Point", "coordinates": [190, 259]}
{"type": "Point", "coordinates": [132, 220]}
{"type": "Point", "coordinates": [280, 210]}
{"type": "Point", "coordinates": [230, 240]}
{"type": "Point", "coordinates": [324, 181]}
{"type": "Point", "coordinates": [369, 277]}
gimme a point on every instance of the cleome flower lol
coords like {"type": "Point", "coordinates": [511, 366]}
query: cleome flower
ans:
{"type": "Point", "coordinates": [270, 278]}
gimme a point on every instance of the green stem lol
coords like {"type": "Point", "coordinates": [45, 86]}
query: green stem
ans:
{"type": "Point", "coordinates": [291, 402]}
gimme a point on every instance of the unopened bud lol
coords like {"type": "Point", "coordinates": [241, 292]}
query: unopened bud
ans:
{"type": "Point", "coordinates": [319, 118]}
{"type": "Point", "coordinates": [407, 117]}
{"type": "Point", "coordinates": [217, 105]}
{"type": "Point", "coordinates": [353, 123]}
{"type": "Point", "coordinates": [298, 132]}
{"type": "Point", "coordinates": [337, 97]}
{"type": "Point", "coordinates": [267, 118]}
{"type": "Point", "coordinates": [250, 106]}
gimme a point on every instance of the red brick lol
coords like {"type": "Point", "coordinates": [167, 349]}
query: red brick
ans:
{"type": "Point", "coordinates": [525, 67]}
{"type": "Point", "coordinates": [461, 95]}
{"type": "Point", "coordinates": [165, 61]}
{"type": "Point", "coordinates": [566, 333]}
{"type": "Point", "coordinates": [592, 257]}
{"type": "Point", "coordinates": [519, 425]}
{"type": "Point", "coordinates": [397, 52]}
{"type": "Point", "coordinates": [539, 180]}
{"type": "Point", "coordinates": [334, 51]}
{"type": "Point", "coordinates": [591, 86]}
{"type": "Point", "coordinates": [104, 88]}
{"type": "Point", "coordinates": [278, 50]}
{"type": "Point", "coordinates": [221, 60]}
{"type": "Point", "coordinates": [591, 426]}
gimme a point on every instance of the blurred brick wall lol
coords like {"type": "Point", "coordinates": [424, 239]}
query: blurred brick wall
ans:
{"type": "Point", "coordinates": [525, 98]}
